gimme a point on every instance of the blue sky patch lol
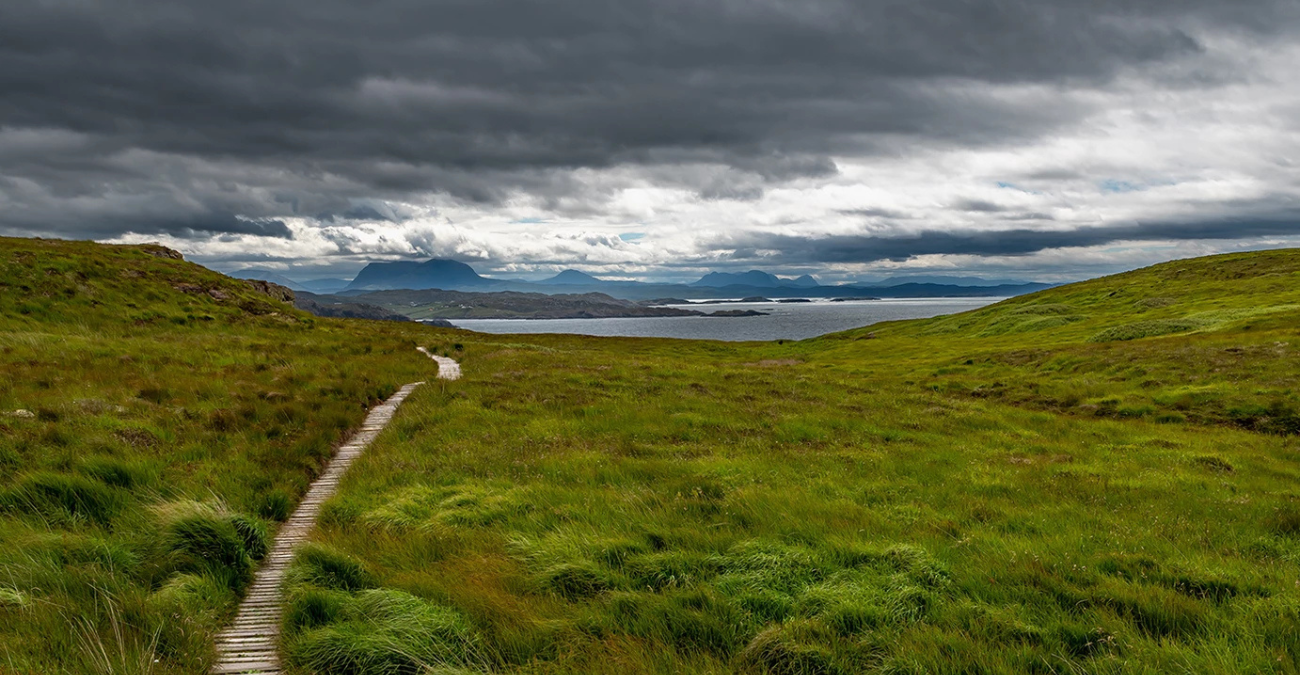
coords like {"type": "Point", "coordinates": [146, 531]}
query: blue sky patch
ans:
{"type": "Point", "coordinates": [1119, 186]}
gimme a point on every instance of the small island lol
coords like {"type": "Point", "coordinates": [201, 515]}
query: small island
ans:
{"type": "Point", "coordinates": [738, 312]}
{"type": "Point", "coordinates": [752, 298]}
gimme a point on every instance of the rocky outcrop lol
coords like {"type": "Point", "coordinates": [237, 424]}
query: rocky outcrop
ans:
{"type": "Point", "coordinates": [276, 291]}
{"type": "Point", "coordinates": [160, 251]}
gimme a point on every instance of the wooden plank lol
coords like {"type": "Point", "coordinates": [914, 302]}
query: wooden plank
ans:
{"type": "Point", "coordinates": [249, 646]}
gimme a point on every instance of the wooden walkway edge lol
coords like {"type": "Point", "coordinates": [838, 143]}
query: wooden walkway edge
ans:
{"type": "Point", "coordinates": [251, 645]}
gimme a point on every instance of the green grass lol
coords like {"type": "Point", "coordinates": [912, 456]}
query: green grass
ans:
{"type": "Point", "coordinates": [175, 416]}
{"type": "Point", "coordinates": [992, 492]}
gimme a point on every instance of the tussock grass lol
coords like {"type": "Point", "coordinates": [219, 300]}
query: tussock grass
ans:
{"type": "Point", "coordinates": [379, 631]}
{"type": "Point", "coordinates": [174, 412]}
{"type": "Point", "coordinates": [914, 503]}
{"type": "Point", "coordinates": [988, 492]}
{"type": "Point", "coordinates": [1146, 329]}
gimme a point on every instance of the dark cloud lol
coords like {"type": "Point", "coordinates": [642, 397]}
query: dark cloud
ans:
{"type": "Point", "coordinates": [152, 116]}
{"type": "Point", "coordinates": [888, 214]}
{"type": "Point", "coordinates": [978, 206]}
{"type": "Point", "coordinates": [1016, 242]}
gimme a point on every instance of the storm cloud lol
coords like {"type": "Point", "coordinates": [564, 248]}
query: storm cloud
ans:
{"type": "Point", "coordinates": [1016, 242]}
{"type": "Point", "coordinates": [697, 123]}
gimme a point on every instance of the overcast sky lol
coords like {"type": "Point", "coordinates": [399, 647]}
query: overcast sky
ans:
{"type": "Point", "coordinates": [1052, 139]}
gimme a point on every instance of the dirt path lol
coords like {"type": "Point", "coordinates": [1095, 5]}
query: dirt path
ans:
{"type": "Point", "coordinates": [251, 644]}
{"type": "Point", "coordinates": [447, 368]}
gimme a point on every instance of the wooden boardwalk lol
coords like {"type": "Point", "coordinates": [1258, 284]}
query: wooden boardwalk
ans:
{"type": "Point", "coordinates": [448, 369]}
{"type": "Point", "coordinates": [251, 644]}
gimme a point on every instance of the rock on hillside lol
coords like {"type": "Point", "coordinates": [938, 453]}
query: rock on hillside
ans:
{"type": "Point", "coordinates": [281, 293]}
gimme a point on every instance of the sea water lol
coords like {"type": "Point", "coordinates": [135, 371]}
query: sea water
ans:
{"type": "Point", "coordinates": [784, 320]}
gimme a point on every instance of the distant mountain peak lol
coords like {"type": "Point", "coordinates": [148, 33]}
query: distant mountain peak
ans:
{"type": "Point", "coordinates": [754, 278]}
{"type": "Point", "coordinates": [436, 273]}
{"type": "Point", "coordinates": [571, 278]}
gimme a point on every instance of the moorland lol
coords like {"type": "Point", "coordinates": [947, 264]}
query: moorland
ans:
{"type": "Point", "coordinates": [1095, 478]}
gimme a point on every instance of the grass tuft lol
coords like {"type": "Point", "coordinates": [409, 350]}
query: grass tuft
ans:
{"type": "Point", "coordinates": [386, 633]}
{"type": "Point", "coordinates": [787, 650]}
{"type": "Point", "coordinates": [328, 568]}
{"type": "Point", "coordinates": [206, 543]}
{"type": "Point", "coordinates": [1145, 329]}
{"type": "Point", "coordinates": [63, 497]}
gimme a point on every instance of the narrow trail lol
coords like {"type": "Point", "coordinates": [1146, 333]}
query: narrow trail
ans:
{"type": "Point", "coordinates": [251, 645]}
{"type": "Point", "coordinates": [448, 369]}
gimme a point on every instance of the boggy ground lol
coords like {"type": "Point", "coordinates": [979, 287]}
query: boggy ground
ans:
{"type": "Point", "coordinates": [1098, 478]}
{"type": "Point", "coordinates": [1101, 478]}
{"type": "Point", "coordinates": [157, 421]}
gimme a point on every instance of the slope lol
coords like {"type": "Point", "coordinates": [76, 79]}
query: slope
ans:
{"type": "Point", "coordinates": [157, 420]}
{"type": "Point", "coordinates": [1210, 340]}
{"type": "Point", "coordinates": [909, 497]}
{"type": "Point", "coordinates": [855, 503]}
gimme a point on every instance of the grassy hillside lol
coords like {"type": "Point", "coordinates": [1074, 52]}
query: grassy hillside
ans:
{"type": "Point", "coordinates": [1098, 478]}
{"type": "Point", "coordinates": [156, 420]}
{"type": "Point", "coordinates": [1207, 341]}
{"type": "Point", "coordinates": [906, 498]}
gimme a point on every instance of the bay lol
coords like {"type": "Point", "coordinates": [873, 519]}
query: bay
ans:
{"type": "Point", "coordinates": [784, 321]}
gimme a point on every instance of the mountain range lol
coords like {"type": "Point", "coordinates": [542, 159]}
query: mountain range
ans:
{"type": "Point", "coordinates": [451, 275]}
